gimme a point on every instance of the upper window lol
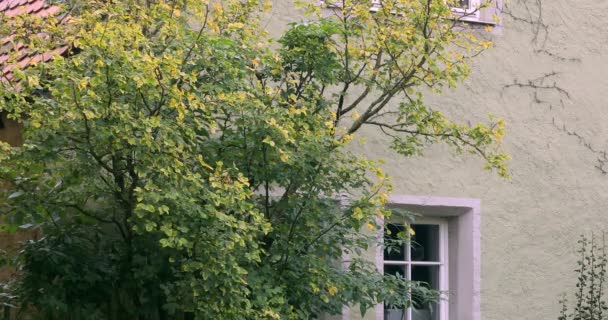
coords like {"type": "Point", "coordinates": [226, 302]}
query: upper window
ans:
{"type": "Point", "coordinates": [467, 10]}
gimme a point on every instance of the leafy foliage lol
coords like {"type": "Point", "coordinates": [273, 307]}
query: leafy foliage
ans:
{"type": "Point", "coordinates": [182, 168]}
{"type": "Point", "coordinates": [590, 302]}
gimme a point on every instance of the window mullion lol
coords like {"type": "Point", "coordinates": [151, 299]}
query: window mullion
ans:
{"type": "Point", "coordinates": [425, 263]}
{"type": "Point", "coordinates": [408, 272]}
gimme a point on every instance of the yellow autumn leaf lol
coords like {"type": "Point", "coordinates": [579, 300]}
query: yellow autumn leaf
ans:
{"type": "Point", "coordinates": [358, 213]}
{"type": "Point", "coordinates": [268, 141]}
{"type": "Point", "coordinates": [411, 231]}
{"type": "Point", "coordinates": [347, 138]}
{"type": "Point", "coordinates": [89, 114]}
{"type": "Point", "coordinates": [332, 290]}
{"type": "Point", "coordinates": [255, 62]}
{"type": "Point", "coordinates": [284, 156]}
{"type": "Point", "coordinates": [236, 25]}
{"type": "Point", "coordinates": [371, 226]}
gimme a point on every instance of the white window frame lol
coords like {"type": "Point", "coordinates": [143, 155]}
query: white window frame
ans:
{"type": "Point", "coordinates": [443, 263]}
{"type": "Point", "coordinates": [469, 14]}
{"type": "Point", "coordinates": [463, 216]}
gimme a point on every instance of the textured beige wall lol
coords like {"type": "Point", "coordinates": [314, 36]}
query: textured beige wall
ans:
{"type": "Point", "coordinates": [531, 223]}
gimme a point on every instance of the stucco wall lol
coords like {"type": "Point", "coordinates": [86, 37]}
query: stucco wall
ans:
{"type": "Point", "coordinates": [529, 224]}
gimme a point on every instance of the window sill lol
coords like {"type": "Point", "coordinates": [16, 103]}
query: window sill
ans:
{"type": "Point", "coordinates": [474, 20]}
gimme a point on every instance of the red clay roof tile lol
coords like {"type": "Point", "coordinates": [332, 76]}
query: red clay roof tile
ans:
{"type": "Point", "coordinates": [35, 6]}
{"type": "Point", "coordinates": [25, 58]}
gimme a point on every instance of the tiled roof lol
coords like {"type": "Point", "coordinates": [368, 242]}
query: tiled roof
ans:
{"type": "Point", "coordinates": [12, 8]}
{"type": "Point", "coordinates": [25, 57]}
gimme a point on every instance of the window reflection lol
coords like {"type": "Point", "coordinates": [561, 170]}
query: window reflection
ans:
{"type": "Point", "coordinates": [394, 246]}
{"type": "Point", "coordinates": [423, 301]}
{"type": "Point", "coordinates": [425, 242]}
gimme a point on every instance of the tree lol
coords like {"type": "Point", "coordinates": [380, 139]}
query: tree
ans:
{"type": "Point", "coordinates": [181, 166]}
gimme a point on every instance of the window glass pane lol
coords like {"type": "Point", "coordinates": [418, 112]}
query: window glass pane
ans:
{"type": "Point", "coordinates": [395, 314]}
{"type": "Point", "coordinates": [424, 302]}
{"type": "Point", "coordinates": [398, 271]}
{"type": "Point", "coordinates": [392, 312]}
{"type": "Point", "coordinates": [425, 243]}
{"type": "Point", "coordinates": [462, 4]}
{"type": "Point", "coordinates": [394, 246]}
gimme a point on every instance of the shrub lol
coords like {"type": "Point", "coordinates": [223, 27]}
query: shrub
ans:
{"type": "Point", "coordinates": [590, 300]}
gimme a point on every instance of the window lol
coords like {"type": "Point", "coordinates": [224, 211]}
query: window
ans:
{"type": "Point", "coordinates": [424, 260]}
{"type": "Point", "coordinates": [467, 10]}
{"type": "Point", "coordinates": [444, 253]}
{"type": "Point", "coordinates": [462, 4]}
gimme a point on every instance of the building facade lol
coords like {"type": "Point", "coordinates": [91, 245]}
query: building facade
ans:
{"type": "Point", "coordinates": [504, 249]}
{"type": "Point", "coordinates": [510, 245]}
